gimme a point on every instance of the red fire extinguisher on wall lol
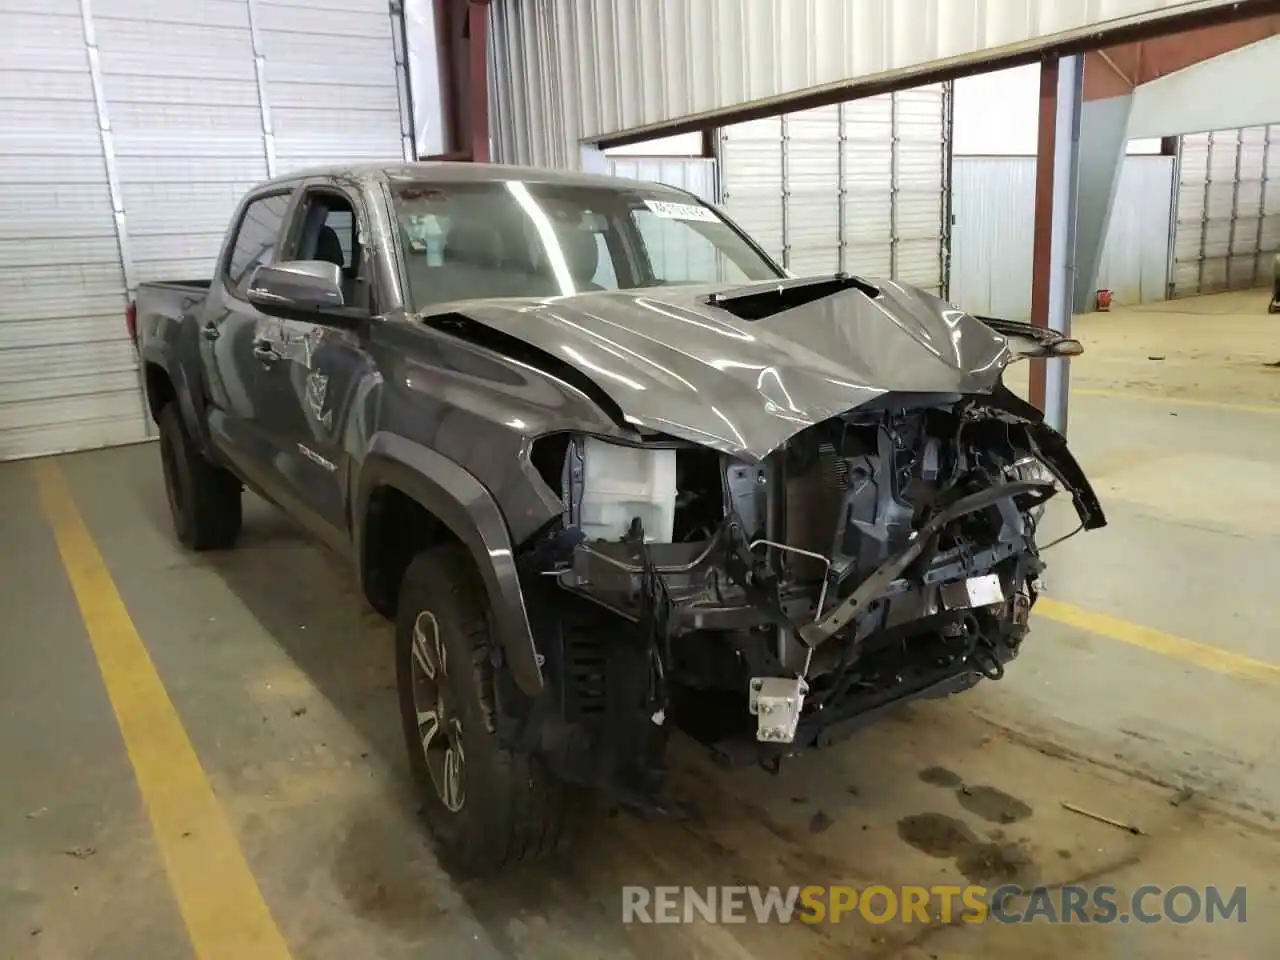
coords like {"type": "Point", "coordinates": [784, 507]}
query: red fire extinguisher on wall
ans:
{"type": "Point", "coordinates": [1103, 301]}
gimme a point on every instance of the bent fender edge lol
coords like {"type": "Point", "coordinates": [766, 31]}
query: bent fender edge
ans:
{"type": "Point", "coordinates": [462, 504]}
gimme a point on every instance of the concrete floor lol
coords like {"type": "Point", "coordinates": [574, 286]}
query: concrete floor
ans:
{"type": "Point", "coordinates": [283, 682]}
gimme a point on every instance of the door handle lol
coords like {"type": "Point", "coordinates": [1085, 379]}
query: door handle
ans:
{"type": "Point", "coordinates": [210, 331]}
{"type": "Point", "coordinates": [264, 351]}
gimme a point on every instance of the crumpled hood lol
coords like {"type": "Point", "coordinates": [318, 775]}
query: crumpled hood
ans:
{"type": "Point", "coordinates": [677, 363]}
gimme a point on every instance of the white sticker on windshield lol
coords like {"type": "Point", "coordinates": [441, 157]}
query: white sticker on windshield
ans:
{"type": "Point", "coordinates": [681, 211]}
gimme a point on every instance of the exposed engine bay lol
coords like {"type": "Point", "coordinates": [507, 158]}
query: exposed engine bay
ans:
{"type": "Point", "coordinates": [882, 555]}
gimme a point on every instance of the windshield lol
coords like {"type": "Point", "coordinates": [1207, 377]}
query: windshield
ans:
{"type": "Point", "coordinates": [516, 239]}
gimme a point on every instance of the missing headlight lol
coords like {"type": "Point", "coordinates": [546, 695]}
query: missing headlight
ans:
{"type": "Point", "coordinates": [1032, 468]}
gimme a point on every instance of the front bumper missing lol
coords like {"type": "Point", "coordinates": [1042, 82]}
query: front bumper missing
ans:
{"type": "Point", "coordinates": [876, 585]}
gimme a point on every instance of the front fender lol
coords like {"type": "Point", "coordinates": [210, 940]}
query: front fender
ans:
{"type": "Point", "coordinates": [459, 501]}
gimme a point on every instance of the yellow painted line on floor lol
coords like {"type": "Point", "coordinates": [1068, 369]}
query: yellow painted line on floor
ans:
{"type": "Point", "coordinates": [221, 904]}
{"type": "Point", "coordinates": [1194, 652]}
{"type": "Point", "coordinates": [1182, 401]}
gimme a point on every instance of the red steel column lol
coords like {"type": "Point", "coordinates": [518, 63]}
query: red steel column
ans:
{"type": "Point", "coordinates": [1042, 232]}
{"type": "Point", "coordinates": [478, 88]}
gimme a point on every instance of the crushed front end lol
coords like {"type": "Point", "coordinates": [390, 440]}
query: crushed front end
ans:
{"type": "Point", "coordinates": [879, 556]}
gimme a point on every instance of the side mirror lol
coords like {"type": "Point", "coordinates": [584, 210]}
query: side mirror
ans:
{"type": "Point", "coordinates": [309, 290]}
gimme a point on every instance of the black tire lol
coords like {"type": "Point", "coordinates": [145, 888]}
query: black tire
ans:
{"type": "Point", "coordinates": [204, 500]}
{"type": "Point", "coordinates": [509, 807]}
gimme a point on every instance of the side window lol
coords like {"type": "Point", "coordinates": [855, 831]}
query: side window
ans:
{"type": "Point", "coordinates": [327, 231]}
{"type": "Point", "coordinates": [343, 224]}
{"type": "Point", "coordinates": [256, 238]}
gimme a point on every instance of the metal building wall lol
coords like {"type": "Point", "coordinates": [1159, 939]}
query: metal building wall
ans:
{"type": "Point", "coordinates": [993, 199]}
{"type": "Point", "coordinates": [565, 70]}
{"type": "Point", "coordinates": [128, 131]}
{"type": "Point", "coordinates": [991, 240]}
{"type": "Point", "coordinates": [1135, 253]}
{"type": "Point", "coordinates": [1228, 210]}
{"type": "Point", "coordinates": [66, 367]}
{"type": "Point", "coordinates": [858, 186]}
{"type": "Point", "coordinates": [695, 174]}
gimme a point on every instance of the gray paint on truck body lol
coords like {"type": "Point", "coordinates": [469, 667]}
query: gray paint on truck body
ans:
{"type": "Point", "coordinates": [450, 422]}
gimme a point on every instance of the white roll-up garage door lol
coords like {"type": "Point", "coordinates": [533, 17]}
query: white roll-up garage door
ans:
{"type": "Point", "coordinates": [859, 186]}
{"type": "Point", "coordinates": [128, 131]}
{"type": "Point", "coordinates": [1228, 210]}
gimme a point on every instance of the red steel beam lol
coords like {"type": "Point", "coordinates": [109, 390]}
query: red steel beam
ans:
{"type": "Point", "coordinates": [1115, 70]}
{"type": "Point", "coordinates": [478, 88]}
{"type": "Point", "coordinates": [1042, 232]}
{"type": "Point", "coordinates": [462, 32]}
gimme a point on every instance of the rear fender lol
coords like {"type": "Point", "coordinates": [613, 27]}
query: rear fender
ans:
{"type": "Point", "coordinates": [190, 402]}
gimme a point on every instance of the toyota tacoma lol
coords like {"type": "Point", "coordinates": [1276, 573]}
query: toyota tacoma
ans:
{"type": "Point", "coordinates": [610, 470]}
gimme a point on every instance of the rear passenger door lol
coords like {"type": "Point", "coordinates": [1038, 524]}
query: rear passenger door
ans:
{"type": "Point", "coordinates": [232, 332]}
{"type": "Point", "coordinates": [307, 393]}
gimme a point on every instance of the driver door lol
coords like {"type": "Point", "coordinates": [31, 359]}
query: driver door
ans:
{"type": "Point", "coordinates": [230, 337]}
{"type": "Point", "coordinates": [309, 383]}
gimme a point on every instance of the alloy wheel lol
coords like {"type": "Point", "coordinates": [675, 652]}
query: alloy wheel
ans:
{"type": "Point", "coordinates": [439, 723]}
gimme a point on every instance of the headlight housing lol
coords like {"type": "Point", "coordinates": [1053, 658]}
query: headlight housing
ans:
{"type": "Point", "coordinates": [1032, 468]}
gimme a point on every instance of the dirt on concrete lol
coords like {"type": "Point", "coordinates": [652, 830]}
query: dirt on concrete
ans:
{"type": "Point", "coordinates": [1222, 348]}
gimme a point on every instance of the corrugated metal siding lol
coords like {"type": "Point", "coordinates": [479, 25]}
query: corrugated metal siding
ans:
{"type": "Point", "coordinates": [67, 369]}
{"type": "Point", "coordinates": [695, 174]}
{"type": "Point", "coordinates": [171, 83]}
{"type": "Point", "coordinates": [751, 181]}
{"type": "Point", "coordinates": [644, 62]}
{"type": "Point", "coordinates": [1228, 210]}
{"type": "Point", "coordinates": [857, 187]}
{"type": "Point", "coordinates": [811, 153]}
{"type": "Point", "coordinates": [920, 158]}
{"type": "Point", "coordinates": [1135, 253]}
{"type": "Point", "coordinates": [179, 87]}
{"type": "Point", "coordinates": [993, 203]}
{"type": "Point", "coordinates": [991, 240]}
{"type": "Point", "coordinates": [331, 81]}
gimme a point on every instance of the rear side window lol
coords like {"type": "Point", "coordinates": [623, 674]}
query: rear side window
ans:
{"type": "Point", "coordinates": [256, 236]}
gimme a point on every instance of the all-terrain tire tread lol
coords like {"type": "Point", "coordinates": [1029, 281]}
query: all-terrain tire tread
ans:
{"type": "Point", "coordinates": [532, 811]}
{"type": "Point", "coordinates": [215, 511]}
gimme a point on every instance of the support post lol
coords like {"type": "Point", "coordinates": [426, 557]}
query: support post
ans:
{"type": "Point", "coordinates": [1053, 261]}
{"type": "Point", "coordinates": [1042, 225]}
{"type": "Point", "coordinates": [1066, 193]}
{"type": "Point", "coordinates": [264, 103]}
{"type": "Point", "coordinates": [478, 92]}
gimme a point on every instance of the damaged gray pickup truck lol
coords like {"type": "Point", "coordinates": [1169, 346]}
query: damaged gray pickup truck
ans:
{"type": "Point", "coordinates": [610, 470]}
